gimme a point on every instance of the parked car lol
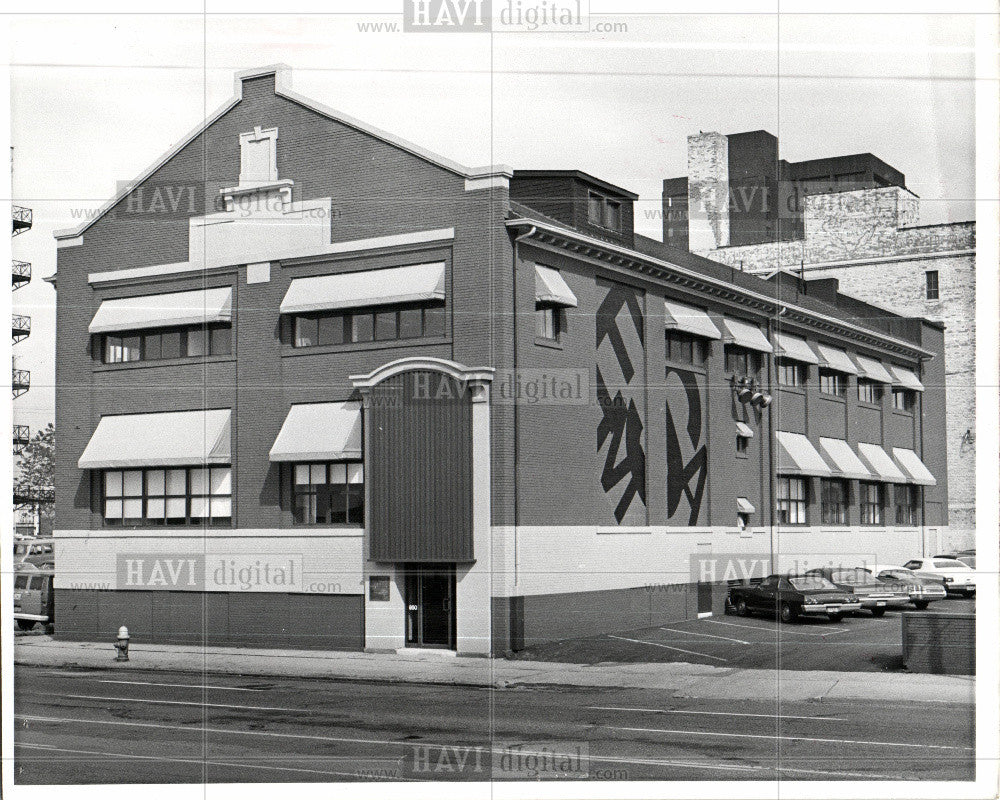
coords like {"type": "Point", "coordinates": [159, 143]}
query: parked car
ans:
{"type": "Point", "coordinates": [875, 595]}
{"type": "Point", "coordinates": [34, 599]}
{"type": "Point", "coordinates": [958, 578]}
{"type": "Point", "coordinates": [923, 590]}
{"type": "Point", "coordinates": [967, 557]}
{"type": "Point", "coordinates": [791, 596]}
{"type": "Point", "coordinates": [39, 552]}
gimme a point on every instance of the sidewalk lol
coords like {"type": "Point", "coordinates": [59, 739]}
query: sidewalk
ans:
{"type": "Point", "coordinates": [680, 680]}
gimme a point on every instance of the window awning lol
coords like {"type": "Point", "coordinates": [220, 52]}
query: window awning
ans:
{"type": "Point", "coordinates": [915, 469]}
{"type": "Point", "coordinates": [797, 456]}
{"type": "Point", "coordinates": [319, 432]}
{"type": "Point", "coordinates": [551, 288]}
{"type": "Point", "coordinates": [199, 307]}
{"type": "Point", "coordinates": [874, 370]}
{"type": "Point", "coordinates": [374, 287]}
{"type": "Point", "coordinates": [744, 506]}
{"type": "Point", "coordinates": [836, 359]}
{"type": "Point", "coordinates": [907, 378]}
{"type": "Point", "coordinates": [689, 319]}
{"type": "Point", "coordinates": [746, 335]}
{"type": "Point", "coordinates": [170, 439]}
{"type": "Point", "coordinates": [794, 348]}
{"type": "Point", "coordinates": [879, 463]}
{"type": "Point", "coordinates": [744, 430]}
{"type": "Point", "coordinates": [846, 463]}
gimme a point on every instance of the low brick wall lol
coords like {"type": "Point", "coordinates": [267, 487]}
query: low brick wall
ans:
{"type": "Point", "coordinates": [939, 642]}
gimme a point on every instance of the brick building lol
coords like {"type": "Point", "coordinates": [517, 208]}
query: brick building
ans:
{"type": "Point", "coordinates": [849, 218]}
{"type": "Point", "coordinates": [347, 393]}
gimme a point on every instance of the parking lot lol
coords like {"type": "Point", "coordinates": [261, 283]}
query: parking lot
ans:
{"type": "Point", "coordinates": [858, 643]}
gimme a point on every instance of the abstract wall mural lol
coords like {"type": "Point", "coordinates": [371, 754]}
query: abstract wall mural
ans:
{"type": "Point", "coordinates": [621, 396]}
{"type": "Point", "coordinates": [687, 451]}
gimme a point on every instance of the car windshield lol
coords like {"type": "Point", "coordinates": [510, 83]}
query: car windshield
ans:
{"type": "Point", "coordinates": [949, 563]}
{"type": "Point", "coordinates": [858, 575]}
{"type": "Point", "coordinates": [810, 582]}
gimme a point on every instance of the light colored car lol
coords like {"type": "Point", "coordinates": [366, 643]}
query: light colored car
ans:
{"type": "Point", "coordinates": [957, 577]}
{"type": "Point", "coordinates": [923, 590]}
{"type": "Point", "coordinates": [875, 595]}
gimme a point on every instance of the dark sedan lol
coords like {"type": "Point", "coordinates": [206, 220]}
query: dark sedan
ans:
{"type": "Point", "coordinates": [791, 596]}
{"type": "Point", "coordinates": [875, 595]}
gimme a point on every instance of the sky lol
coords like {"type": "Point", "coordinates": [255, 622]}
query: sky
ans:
{"type": "Point", "coordinates": [95, 99]}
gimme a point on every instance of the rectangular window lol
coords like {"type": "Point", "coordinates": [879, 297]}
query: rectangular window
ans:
{"type": "Point", "coordinates": [872, 499]}
{"type": "Point", "coordinates": [167, 343]}
{"type": "Point", "coordinates": [831, 382]}
{"type": "Point", "coordinates": [595, 209]}
{"type": "Point", "coordinates": [684, 348]}
{"type": "Point", "coordinates": [742, 445]}
{"type": "Point", "coordinates": [791, 501]}
{"type": "Point", "coordinates": [904, 400]}
{"type": "Point", "coordinates": [741, 361]}
{"type": "Point", "coordinates": [791, 373]}
{"type": "Point", "coordinates": [907, 499]}
{"type": "Point", "coordinates": [613, 215]}
{"type": "Point", "coordinates": [834, 502]}
{"type": "Point", "coordinates": [933, 290]}
{"type": "Point", "coordinates": [548, 322]}
{"type": "Point", "coordinates": [384, 324]}
{"type": "Point", "coordinates": [869, 391]}
{"type": "Point", "coordinates": [328, 494]}
{"type": "Point", "coordinates": [176, 496]}
{"type": "Point", "coordinates": [362, 327]}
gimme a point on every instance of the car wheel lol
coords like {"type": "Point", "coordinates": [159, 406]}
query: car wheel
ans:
{"type": "Point", "coordinates": [788, 612]}
{"type": "Point", "coordinates": [741, 608]}
{"type": "Point", "coordinates": [837, 617]}
{"type": "Point", "coordinates": [25, 624]}
{"type": "Point", "coordinates": [878, 612]}
{"type": "Point", "coordinates": [921, 604]}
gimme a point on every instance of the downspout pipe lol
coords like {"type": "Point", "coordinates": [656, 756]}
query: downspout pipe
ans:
{"type": "Point", "coordinates": [517, 240]}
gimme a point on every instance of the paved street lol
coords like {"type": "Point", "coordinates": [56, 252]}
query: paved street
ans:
{"type": "Point", "coordinates": [99, 726]}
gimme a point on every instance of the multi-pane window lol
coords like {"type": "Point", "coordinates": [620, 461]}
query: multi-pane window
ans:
{"type": "Point", "coordinates": [869, 391]}
{"type": "Point", "coordinates": [548, 322]}
{"type": "Point", "coordinates": [164, 343]}
{"type": "Point", "coordinates": [907, 499]}
{"type": "Point", "coordinates": [612, 215]}
{"type": "Point", "coordinates": [685, 348]}
{"type": "Point", "coordinates": [175, 496]}
{"type": "Point", "coordinates": [791, 373]}
{"type": "Point", "coordinates": [933, 289]}
{"type": "Point", "coordinates": [331, 493]}
{"type": "Point", "coordinates": [742, 445]}
{"type": "Point", "coordinates": [595, 209]}
{"type": "Point", "coordinates": [834, 502]}
{"type": "Point", "coordinates": [904, 399]}
{"type": "Point", "coordinates": [369, 325]}
{"type": "Point", "coordinates": [831, 382]}
{"type": "Point", "coordinates": [791, 501]}
{"type": "Point", "coordinates": [872, 500]}
{"type": "Point", "coordinates": [741, 361]}
{"type": "Point", "coordinates": [604, 212]}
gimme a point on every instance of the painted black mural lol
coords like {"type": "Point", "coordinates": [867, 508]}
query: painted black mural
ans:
{"type": "Point", "coordinates": [687, 451]}
{"type": "Point", "coordinates": [621, 397]}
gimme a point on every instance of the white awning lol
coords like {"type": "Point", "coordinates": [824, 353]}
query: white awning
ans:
{"type": "Point", "coordinates": [915, 469]}
{"type": "Point", "coordinates": [879, 463]}
{"type": "Point", "coordinates": [745, 334]}
{"type": "Point", "coordinates": [551, 288]}
{"type": "Point", "coordinates": [744, 506]}
{"type": "Point", "coordinates": [836, 359]}
{"type": "Point", "coordinates": [744, 430]}
{"type": "Point", "coordinates": [171, 439]}
{"type": "Point", "coordinates": [319, 432]}
{"type": "Point", "coordinates": [199, 307]}
{"type": "Point", "coordinates": [906, 378]}
{"type": "Point", "coordinates": [874, 370]}
{"type": "Point", "coordinates": [794, 348]}
{"type": "Point", "coordinates": [374, 287]}
{"type": "Point", "coordinates": [691, 320]}
{"type": "Point", "coordinates": [797, 456]}
{"type": "Point", "coordinates": [846, 463]}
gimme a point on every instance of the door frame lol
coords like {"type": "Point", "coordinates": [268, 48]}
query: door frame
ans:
{"type": "Point", "coordinates": [412, 577]}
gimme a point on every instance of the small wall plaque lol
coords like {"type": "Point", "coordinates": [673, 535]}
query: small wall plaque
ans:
{"type": "Point", "coordinates": [378, 588]}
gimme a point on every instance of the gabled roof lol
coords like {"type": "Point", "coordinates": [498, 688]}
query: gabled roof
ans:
{"type": "Point", "coordinates": [282, 88]}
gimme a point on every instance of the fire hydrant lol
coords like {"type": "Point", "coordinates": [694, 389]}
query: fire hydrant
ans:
{"type": "Point", "coordinates": [121, 645]}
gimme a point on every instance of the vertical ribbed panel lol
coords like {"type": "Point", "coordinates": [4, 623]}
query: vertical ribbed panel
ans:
{"type": "Point", "coordinates": [420, 469]}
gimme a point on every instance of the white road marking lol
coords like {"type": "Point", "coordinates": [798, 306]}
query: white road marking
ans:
{"type": "Point", "coordinates": [714, 713]}
{"type": "Point", "coordinates": [709, 635]}
{"type": "Point", "coordinates": [796, 738]}
{"type": "Point", "coordinates": [667, 647]}
{"type": "Point", "coordinates": [827, 630]}
{"type": "Point", "coordinates": [182, 703]}
{"type": "Point", "coordinates": [183, 685]}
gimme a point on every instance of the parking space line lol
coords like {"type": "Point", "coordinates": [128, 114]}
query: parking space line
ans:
{"type": "Point", "coordinates": [795, 738]}
{"type": "Point", "coordinates": [709, 635]}
{"type": "Point", "coordinates": [714, 713]}
{"type": "Point", "coordinates": [667, 647]}
{"type": "Point", "coordinates": [826, 632]}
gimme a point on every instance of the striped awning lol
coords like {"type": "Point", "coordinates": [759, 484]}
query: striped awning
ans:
{"type": "Point", "coordinates": [797, 456]}
{"type": "Point", "coordinates": [845, 461]}
{"type": "Point", "coordinates": [552, 289]}
{"type": "Point", "coordinates": [744, 506]}
{"type": "Point", "coordinates": [373, 287]}
{"type": "Point", "coordinates": [836, 359]}
{"type": "Point", "coordinates": [200, 307]}
{"type": "Point", "coordinates": [880, 464]}
{"type": "Point", "coordinates": [319, 432]}
{"type": "Point", "coordinates": [689, 319]}
{"type": "Point", "coordinates": [874, 370]}
{"type": "Point", "coordinates": [906, 378]}
{"type": "Point", "coordinates": [915, 469]}
{"type": "Point", "coordinates": [794, 348]}
{"type": "Point", "coordinates": [744, 430]}
{"type": "Point", "coordinates": [170, 439]}
{"type": "Point", "coordinates": [745, 334]}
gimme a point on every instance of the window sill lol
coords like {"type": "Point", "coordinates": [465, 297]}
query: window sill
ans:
{"type": "Point", "coordinates": [322, 526]}
{"type": "Point", "coordinates": [837, 398]}
{"type": "Point", "coordinates": [553, 344]}
{"type": "Point", "coordinates": [685, 365]}
{"type": "Point", "coordinates": [899, 413]}
{"type": "Point", "coordinates": [166, 362]}
{"type": "Point", "coordinates": [288, 351]}
{"type": "Point", "coordinates": [166, 529]}
{"type": "Point", "coordinates": [866, 404]}
{"type": "Point", "coordinates": [799, 390]}
{"type": "Point", "coordinates": [744, 456]}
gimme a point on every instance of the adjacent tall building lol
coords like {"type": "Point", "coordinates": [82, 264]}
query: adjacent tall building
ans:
{"type": "Point", "coordinates": [849, 218]}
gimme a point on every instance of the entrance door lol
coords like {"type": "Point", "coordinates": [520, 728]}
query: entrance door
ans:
{"type": "Point", "coordinates": [430, 606]}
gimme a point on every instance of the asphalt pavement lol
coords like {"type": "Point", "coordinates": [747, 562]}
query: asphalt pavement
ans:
{"type": "Point", "coordinates": [143, 726]}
